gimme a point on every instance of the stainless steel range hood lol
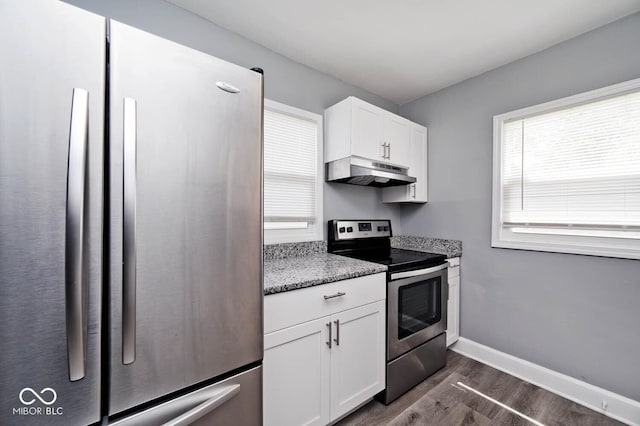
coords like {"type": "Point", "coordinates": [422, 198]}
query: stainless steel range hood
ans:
{"type": "Point", "coordinates": [359, 171]}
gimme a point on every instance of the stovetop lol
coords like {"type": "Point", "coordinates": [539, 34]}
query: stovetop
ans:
{"type": "Point", "coordinates": [370, 240]}
{"type": "Point", "coordinates": [397, 259]}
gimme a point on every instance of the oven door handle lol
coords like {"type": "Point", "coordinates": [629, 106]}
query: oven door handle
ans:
{"type": "Point", "coordinates": [409, 274]}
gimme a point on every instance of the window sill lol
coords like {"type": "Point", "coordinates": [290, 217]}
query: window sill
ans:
{"type": "Point", "coordinates": [278, 236]}
{"type": "Point", "coordinates": [627, 248]}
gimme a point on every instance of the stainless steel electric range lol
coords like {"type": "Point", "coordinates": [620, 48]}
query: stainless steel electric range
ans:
{"type": "Point", "coordinates": [417, 294]}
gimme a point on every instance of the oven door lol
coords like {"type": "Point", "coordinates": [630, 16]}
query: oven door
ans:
{"type": "Point", "coordinates": [416, 308]}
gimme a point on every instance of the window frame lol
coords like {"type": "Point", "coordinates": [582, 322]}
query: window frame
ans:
{"type": "Point", "coordinates": [548, 239]}
{"type": "Point", "coordinates": [313, 231]}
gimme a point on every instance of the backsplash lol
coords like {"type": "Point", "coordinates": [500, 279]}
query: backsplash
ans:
{"type": "Point", "coordinates": [306, 248]}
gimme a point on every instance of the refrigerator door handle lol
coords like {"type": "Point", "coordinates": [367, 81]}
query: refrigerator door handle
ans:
{"type": "Point", "coordinates": [75, 291]}
{"type": "Point", "coordinates": [206, 407]}
{"type": "Point", "coordinates": [129, 233]}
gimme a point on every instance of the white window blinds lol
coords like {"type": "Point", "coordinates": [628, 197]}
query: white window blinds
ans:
{"type": "Point", "coordinates": [290, 168]}
{"type": "Point", "coordinates": [577, 167]}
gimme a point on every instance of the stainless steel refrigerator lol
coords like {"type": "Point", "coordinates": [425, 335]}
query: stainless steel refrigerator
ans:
{"type": "Point", "coordinates": [130, 226]}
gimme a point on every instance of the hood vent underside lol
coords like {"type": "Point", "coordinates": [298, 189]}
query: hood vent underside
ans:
{"type": "Point", "coordinates": [359, 171]}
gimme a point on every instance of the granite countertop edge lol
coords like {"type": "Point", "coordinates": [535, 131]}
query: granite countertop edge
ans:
{"type": "Point", "coordinates": [288, 274]}
{"type": "Point", "coordinates": [320, 281]}
{"type": "Point", "coordinates": [450, 248]}
{"type": "Point", "coordinates": [449, 253]}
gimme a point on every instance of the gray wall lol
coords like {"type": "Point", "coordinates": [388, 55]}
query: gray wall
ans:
{"type": "Point", "coordinates": [578, 315]}
{"type": "Point", "coordinates": [286, 81]}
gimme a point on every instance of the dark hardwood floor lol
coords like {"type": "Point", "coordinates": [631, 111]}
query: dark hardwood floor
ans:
{"type": "Point", "coordinates": [442, 400]}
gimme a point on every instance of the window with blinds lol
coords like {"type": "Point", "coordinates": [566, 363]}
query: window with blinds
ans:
{"type": "Point", "coordinates": [567, 174]}
{"type": "Point", "coordinates": [292, 174]}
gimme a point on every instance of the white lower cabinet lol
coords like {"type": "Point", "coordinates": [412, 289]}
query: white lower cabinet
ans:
{"type": "Point", "coordinates": [296, 375]}
{"type": "Point", "coordinates": [317, 371]}
{"type": "Point", "coordinates": [357, 357]}
{"type": "Point", "coordinates": [453, 305]}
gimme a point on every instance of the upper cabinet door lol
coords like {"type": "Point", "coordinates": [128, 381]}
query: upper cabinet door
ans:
{"type": "Point", "coordinates": [51, 162]}
{"type": "Point", "coordinates": [186, 167]}
{"type": "Point", "coordinates": [367, 136]}
{"type": "Point", "coordinates": [419, 162]}
{"type": "Point", "coordinates": [415, 192]}
{"type": "Point", "coordinates": [397, 135]}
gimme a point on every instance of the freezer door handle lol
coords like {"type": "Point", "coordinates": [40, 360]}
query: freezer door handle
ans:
{"type": "Point", "coordinates": [75, 291]}
{"type": "Point", "coordinates": [206, 407]}
{"type": "Point", "coordinates": [129, 233]}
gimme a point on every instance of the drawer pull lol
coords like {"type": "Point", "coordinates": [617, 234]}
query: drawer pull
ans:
{"type": "Point", "coordinates": [331, 296]}
{"type": "Point", "coordinates": [329, 341]}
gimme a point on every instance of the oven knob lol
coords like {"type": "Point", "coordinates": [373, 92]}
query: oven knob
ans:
{"type": "Point", "coordinates": [350, 229]}
{"type": "Point", "coordinates": [341, 229]}
{"type": "Point", "coordinates": [386, 228]}
{"type": "Point", "coordinates": [379, 228]}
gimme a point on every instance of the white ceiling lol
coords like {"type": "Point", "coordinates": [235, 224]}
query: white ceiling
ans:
{"type": "Point", "coordinates": [405, 49]}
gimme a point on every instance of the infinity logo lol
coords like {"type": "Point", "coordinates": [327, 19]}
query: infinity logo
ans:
{"type": "Point", "coordinates": [36, 396]}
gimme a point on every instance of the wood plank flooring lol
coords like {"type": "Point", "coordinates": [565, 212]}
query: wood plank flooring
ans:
{"type": "Point", "coordinates": [440, 400]}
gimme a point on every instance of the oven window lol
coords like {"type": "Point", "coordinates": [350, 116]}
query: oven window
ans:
{"type": "Point", "coordinates": [419, 306]}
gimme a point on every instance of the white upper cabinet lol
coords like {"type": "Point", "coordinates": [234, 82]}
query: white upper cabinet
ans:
{"type": "Point", "coordinates": [355, 127]}
{"type": "Point", "coordinates": [366, 132]}
{"type": "Point", "coordinates": [397, 136]}
{"type": "Point", "coordinates": [415, 192]}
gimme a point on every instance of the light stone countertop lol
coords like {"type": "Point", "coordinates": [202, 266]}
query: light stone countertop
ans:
{"type": "Point", "coordinates": [450, 248]}
{"type": "Point", "coordinates": [292, 266]}
{"type": "Point", "coordinates": [297, 272]}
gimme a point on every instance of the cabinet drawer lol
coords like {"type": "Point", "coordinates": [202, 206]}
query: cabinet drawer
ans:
{"type": "Point", "coordinates": [289, 308]}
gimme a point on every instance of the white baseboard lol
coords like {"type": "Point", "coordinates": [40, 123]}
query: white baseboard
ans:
{"type": "Point", "coordinates": [618, 407]}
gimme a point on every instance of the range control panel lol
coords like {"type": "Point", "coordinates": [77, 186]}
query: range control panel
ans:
{"type": "Point", "coordinates": [351, 229]}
